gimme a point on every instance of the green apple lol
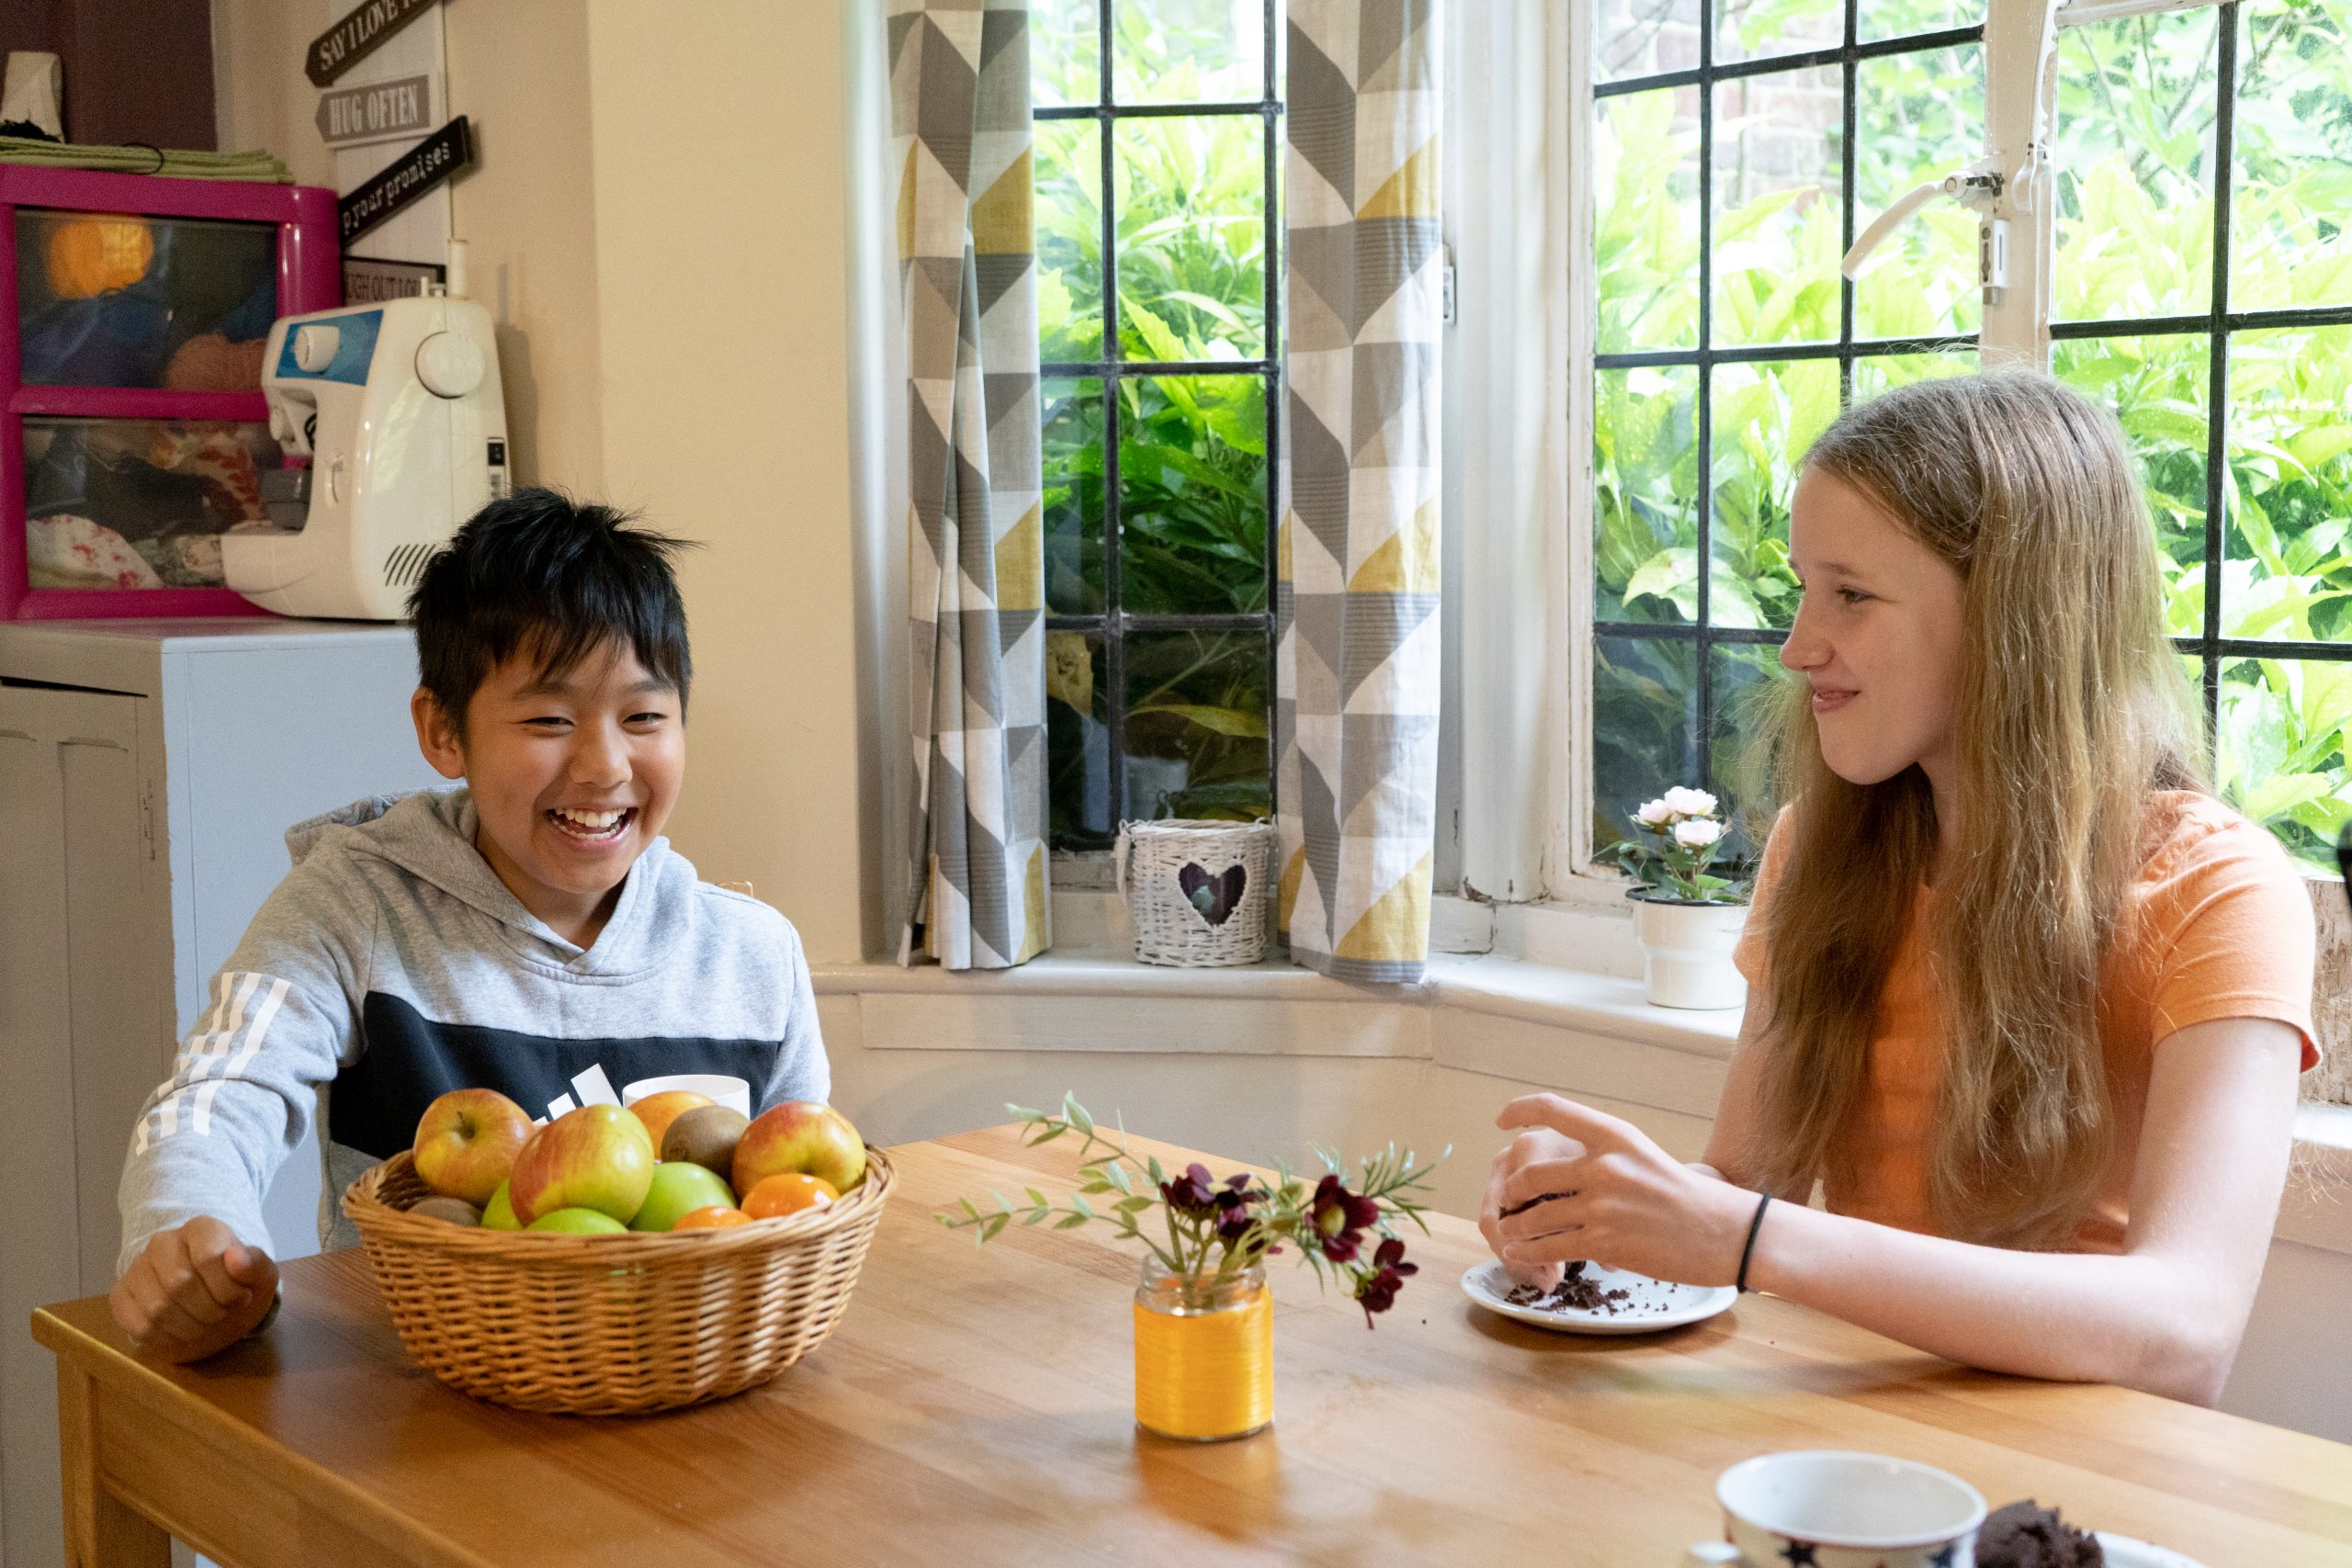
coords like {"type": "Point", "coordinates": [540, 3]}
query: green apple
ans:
{"type": "Point", "coordinates": [598, 1158]}
{"type": "Point", "coordinates": [467, 1141]}
{"type": "Point", "coordinates": [498, 1215]}
{"type": "Point", "coordinates": [578, 1222]}
{"type": "Point", "coordinates": [679, 1187]}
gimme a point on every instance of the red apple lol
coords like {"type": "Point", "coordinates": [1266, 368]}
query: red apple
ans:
{"type": "Point", "coordinates": [595, 1157]}
{"type": "Point", "coordinates": [467, 1141]}
{"type": "Point", "coordinates": [804, 1136]}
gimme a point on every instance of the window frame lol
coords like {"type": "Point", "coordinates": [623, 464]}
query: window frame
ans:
{"type": "Point", "coordinates": [2020, 57]}
{"type": "Point", "coordinates": [1114, 624]}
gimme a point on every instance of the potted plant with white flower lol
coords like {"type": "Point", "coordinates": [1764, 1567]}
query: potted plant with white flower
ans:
{"type": "Point", "coordinates": [1689, 905]}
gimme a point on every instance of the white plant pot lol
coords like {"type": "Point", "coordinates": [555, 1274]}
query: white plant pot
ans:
{"type": "Point", "coordinates": [1686, 953]}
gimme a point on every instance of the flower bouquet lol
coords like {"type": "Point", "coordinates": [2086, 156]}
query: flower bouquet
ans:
{"type": "Point", "coordinates": [1204, 1319]}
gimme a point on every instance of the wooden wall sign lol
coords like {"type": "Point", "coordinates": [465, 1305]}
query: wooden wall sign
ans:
{"type": "Point", "coordinates": [367, 281]}
{"type": "Point", "coordinates": [424, 165]}
{"type": "Point", "coordinates": [358, 35]}
{"type": "Point", "coordinates": [379, 111]}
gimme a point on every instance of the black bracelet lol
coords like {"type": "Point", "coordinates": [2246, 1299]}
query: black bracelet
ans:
{"type": "Point", "coordinates": [1748, 1251]}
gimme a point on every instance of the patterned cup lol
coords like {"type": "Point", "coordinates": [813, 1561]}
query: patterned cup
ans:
{"type": "Point", "coordinates": [1820, 1509]}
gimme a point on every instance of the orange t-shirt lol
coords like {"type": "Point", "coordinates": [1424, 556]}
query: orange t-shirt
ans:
{"type": "Point", "coordinates": [2223, 929]}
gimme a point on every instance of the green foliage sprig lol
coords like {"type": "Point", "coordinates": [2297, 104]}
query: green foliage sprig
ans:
{"type": "Point", "coordinates": [1212, 1228]}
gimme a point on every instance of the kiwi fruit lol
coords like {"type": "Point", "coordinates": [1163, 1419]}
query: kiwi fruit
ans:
{"type": "Point", "coordinates": [707, 1136]}
{"type": "Point", "coordinates": [456, 1211]}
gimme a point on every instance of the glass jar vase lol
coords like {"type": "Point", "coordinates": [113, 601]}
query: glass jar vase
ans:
{"type": "Point", "coordinates": [1205, 1353]}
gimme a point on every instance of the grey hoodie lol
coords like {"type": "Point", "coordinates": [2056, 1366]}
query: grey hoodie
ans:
{"type": "Point", "coordinates": [392, 965]}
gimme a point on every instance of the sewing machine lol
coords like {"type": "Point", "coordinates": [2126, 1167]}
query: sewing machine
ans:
{"type": "Point", "coordinates": [398, 409]}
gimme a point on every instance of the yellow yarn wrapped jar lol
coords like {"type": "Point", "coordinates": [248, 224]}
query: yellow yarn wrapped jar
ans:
{"type": "Point", "coordinates": [1205, 1353]}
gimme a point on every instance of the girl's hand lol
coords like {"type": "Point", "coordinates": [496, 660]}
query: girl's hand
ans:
{"type": "Point", "coordinates": [1537, 1145]}
{"type": "Point", "coordinates": [1618, 1200]}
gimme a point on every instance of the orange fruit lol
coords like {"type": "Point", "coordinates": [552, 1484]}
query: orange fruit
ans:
{"type": "Point", "coordinates": [658, 1111]}
{"type": "Point", "coordinates": [788, 1192]}
{"type": "Point", "coordinates": [717, 1217]}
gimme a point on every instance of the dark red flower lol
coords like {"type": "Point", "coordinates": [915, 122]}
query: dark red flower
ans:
{"type": "Point", "coordinates": [1340, 1218]}
{"type": "Point", "coordinates": [1376, 1291]}
{"type": "Point", "coordinates": [1191, 1194]}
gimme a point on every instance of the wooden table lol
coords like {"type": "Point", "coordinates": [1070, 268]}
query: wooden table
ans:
{"type": "Point", "coordinates": [975, 1408]}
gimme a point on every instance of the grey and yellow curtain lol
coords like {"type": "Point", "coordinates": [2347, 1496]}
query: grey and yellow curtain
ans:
{"type": "Point", "coordinates": [959, 89]}
{"type": "Point", "coordinates": [1356, 598]}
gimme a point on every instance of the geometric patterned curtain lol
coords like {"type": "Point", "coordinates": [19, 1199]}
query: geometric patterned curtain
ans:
{"type": "Point", "coordinates": [959, 93]}
{"type": "Point", "coordinates": [1356, 596]}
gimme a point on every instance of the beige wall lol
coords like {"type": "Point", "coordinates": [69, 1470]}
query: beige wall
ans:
{"type": "Point", "coordinates": [658, 224]}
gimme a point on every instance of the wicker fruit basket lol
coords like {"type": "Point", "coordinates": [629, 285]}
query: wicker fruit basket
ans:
{"type": "Point", "coordinates": [611, 1325]}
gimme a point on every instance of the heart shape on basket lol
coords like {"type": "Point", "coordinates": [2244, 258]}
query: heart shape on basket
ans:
{"type": "Point", "coordinates": [1214, 897]}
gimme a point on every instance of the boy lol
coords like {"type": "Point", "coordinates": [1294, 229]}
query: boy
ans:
{"type": "Point", "coordinates": [511, 934]}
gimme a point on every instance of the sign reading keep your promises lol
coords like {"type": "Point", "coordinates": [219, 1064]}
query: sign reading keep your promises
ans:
{"type": "Point", "coordinates": [421, 168]}
{"type": "Point", "coordinates": [358, 35]}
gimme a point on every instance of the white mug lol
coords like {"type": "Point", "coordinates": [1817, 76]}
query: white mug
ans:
{"type": "Point", "coordinates": [731, 1092]}
{"type": "Point", "coordinates": [1846, 1510]}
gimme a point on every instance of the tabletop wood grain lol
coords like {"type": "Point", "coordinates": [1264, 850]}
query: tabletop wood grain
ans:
{"type": "Point", "coordinates": [975, 1407]}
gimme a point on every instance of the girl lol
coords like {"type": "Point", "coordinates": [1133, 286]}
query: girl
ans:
{"type": "Point", "coordinates": [2025, 999]}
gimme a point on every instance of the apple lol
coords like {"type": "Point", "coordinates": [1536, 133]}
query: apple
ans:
{"type": "Point", "coordinates": [678, 1190]}
{"type": "Point", "coordinates": [499, 1214]}
{"type": "Point", "coordinates": [577, 1222]}
{"type": "Point", "coordinates": [595, 1157]}
{"type": "Point", "coordinates": [800, 1135]}
{"type": "Point", "coordinates": [467, 1141]}
{"type": "Point", "coordinates": [658, 1111]}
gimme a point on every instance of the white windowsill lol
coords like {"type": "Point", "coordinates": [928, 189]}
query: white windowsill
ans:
{"type": "Point", "coordinates": [1553, 981]}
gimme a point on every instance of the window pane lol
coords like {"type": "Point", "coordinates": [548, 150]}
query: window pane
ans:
{"type": "Point", "coordinates": [2292, 159]}
{"type": "Point", "coordinates": [1747, 677]}
{"type": "Point", "coordinates": [1645, 483]}
{"type": "Point", "coordinates": [1642, 38]}
{"type": "Point", "coordinates": [1777, 179]}
{"type": "Point", "coordinates": [2157, 387]}
{"type": "Point", "coordinates": [1645, 221]}
{"type": "Point", "coordinates": [1764, 417]}
{"type": "Point", "coordinates": [1901, 19]}
{"type": "Point", "coordinates": [1065, 51]}
{"type": "Point", "coordinates": [1188, 52]}
{"type": "Point", "coordinates": [1918, 116]}
{"type": "Point", "coordinates": [1644, 727]}
{"type": "Point", "coordinates": [1192, 494]}
{"type": "Point", "coordinates": [2291, 485]}
{"type": "Point", "coordinates": [1883, 372]}
{"type": "Point", "coordinates": [1751, 29]}
{"type": "Point", "coordinates": [1191, 214]}
{"type": "Point", "coordinates": [1073, 498]}
{"type": "Point", "coordinates": [2136, 106]}
{"type": "Point", "coordinates": [2281, 754]}
{"type": "Point", "coordinates": [1078, 740]}
{"type": "Point", "coordinates": [1070, 240]}
{"type": "Point", "coordinates": [1196, 725]}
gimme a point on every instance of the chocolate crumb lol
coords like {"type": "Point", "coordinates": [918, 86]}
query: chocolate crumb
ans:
{"type": "Point", "coordinates": [2021, 1535]}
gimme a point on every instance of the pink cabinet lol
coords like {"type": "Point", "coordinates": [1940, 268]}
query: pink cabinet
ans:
{"type": "Point", "coordinates": [133, 312]}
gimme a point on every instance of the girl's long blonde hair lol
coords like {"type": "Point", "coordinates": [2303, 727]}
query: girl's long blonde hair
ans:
{"type": "Point", "coordinates": [2071, 707]}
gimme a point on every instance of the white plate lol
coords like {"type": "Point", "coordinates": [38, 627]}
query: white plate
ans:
{"type": "Point", "coordinates": [2122, 1551]}
{"type": "Point", "coordinates": [1652, 1305]}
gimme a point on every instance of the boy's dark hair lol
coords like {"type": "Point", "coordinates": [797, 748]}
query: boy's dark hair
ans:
{"type": "Point", "coordinates": [540, 574]}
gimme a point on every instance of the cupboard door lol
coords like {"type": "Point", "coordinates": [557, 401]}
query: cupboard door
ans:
{"type": "Point", "coordinates": [83, 1041]}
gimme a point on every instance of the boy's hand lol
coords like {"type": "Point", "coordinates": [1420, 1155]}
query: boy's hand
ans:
{"type": "Point", "coordinates": [194, 1291]}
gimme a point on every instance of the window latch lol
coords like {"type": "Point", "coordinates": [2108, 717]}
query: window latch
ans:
{"type": "Point", "coordinates": [1977, 187]}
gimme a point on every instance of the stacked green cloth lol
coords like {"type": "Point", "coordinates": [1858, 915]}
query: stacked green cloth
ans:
{"type": "Point", "coordinates": [144, 161]}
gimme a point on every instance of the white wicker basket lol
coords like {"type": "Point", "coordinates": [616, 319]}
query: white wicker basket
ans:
{"type": "Point", "coordinates": [1196, 891]}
